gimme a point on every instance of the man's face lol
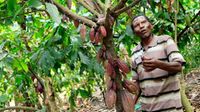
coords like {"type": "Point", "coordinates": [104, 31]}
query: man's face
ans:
{"type": "Point", "coordinates": [142, 27]}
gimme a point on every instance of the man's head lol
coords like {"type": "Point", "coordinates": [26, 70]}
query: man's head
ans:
{"type": "Point", "coordinates": [141, 26]}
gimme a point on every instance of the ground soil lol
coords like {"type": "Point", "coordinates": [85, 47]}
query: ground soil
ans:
{"type": "Point", "coordinates": [193, 88]}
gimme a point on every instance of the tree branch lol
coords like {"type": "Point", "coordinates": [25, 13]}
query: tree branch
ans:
{"type": "Point", "coordinates": [118, 12]}
{"type": "Point", "coordinates": [35, 10]}
{"type": "Point", "coordinates": [96, 5]}
{"type": "Point", "coordinates": [39, 80]}
{"type": "Point", "coordinates": [18, 107]}
{"type": "Point", "coordinates": [119, 6]}
{"type": "Point", "coordinates": [183, 31]}
{"type": "Point", "coordinates": [102, 6]}
{"type": "Point", "coordinates": [73, 16]}
{"type": "Point", "coordinates": [89, 8]}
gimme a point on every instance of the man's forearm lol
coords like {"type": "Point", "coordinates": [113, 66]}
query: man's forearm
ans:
{"type": "Point", "coordinates": [172, 67]}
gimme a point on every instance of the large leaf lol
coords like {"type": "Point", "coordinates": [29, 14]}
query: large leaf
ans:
{"type": "Point", "coordinates": [34, 3]}
{"type": "Point", "coordinates": [84, 93]}
{"type": "Point", "coordinates": [46, 61]}
{"type": "Point", "coordinates": [11, 6]}
{"type": "Point", "coordinates": [84, 58]}
{"type": "Point", "coordinates": [53, 12]}
{"type": "Point", "coordinates": [3, 55]}
{"type": "Point", "coordinates": [3, 98]}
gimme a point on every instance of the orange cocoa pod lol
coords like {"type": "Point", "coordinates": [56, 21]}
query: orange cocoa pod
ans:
{"type": "Point", "coordinates": [83, 32]}
{"type": "Point", "coordinates": [92, 35]}
{"type": "Point", "coordinates": [128, 101]}
{"type": "Point", "coordinates": [123, 66]}
{"type": "Point", "coordinates": [102, 30]}
{"type": "Point", "coordinates": [110, 98]}
{"type": "Point", "coordinates": [76, 23]}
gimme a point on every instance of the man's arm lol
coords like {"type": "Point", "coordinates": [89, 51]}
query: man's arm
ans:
{"type": "Point", "coordinates": [150, 64]}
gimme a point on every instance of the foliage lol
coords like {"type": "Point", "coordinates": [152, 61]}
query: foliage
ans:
{"type": "Point", "coordinates": [37, 39]}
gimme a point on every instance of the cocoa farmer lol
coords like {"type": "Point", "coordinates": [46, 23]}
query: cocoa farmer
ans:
{"type": "Point", "coordinates": [156, 61]}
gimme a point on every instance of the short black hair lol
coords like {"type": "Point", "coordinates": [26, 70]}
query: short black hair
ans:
{"type": "Point", "coordinates": [132, 27]}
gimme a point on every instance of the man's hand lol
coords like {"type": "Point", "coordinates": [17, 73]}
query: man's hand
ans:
{"type": "Point", "coordinates": [149, 64]}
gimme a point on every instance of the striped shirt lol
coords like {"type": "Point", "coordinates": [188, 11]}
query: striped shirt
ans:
{"type": "Point", "coordinates": [160, 90]}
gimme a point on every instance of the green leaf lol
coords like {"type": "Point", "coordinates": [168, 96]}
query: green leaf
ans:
{"type": "Point", "coordinates": [24, 66]}
{"type": "Point", "coordinates": [129, 31]}
{"type": "Point", "coordinates": [19, 79]}
{"type": "Point", "coordinates": [84, 58]}
{"type": "Point", "coordinates": [53, 12]}
{"type": "Point", "coordinates": [2, 45]}
{"type": "Point", "coordinates": [3, 55]}
{"type": "Point", "coordinates": [12, 6]}
{"type": "Point", "coordinates": [46, 61]}
{"type": "Point", "coordinates": [3, 98]}
{"type": "Point", "coordinates": [84, 93]}
{"type": "Point", "coordinates": [34, 3]}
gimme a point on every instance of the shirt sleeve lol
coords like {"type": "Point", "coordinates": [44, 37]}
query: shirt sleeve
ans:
{"type": "Point", "coordinates": [173, 53]}
{"type": "Point", "coordinates": [134, 69]}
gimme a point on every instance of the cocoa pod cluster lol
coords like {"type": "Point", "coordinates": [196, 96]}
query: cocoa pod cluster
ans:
{"type": "Point", "coordinates": [97, 34]}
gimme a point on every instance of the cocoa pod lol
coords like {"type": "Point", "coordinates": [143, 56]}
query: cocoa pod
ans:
{"type": "Point", "coordinates": [110, 84]}
{"type": "Point", "coordinates": [123, 66]}
{"type": "Point", "coordinates": [76, 23]}
{"type": "Point", "coordinates": [92, 35]}
{"type": "Point", "coordinates": [83, 32]}
{"type": "Point", "coordinates": [97, 38]}
{"type": "Point", "coordinates": [109, 69]}
{"type": "Point", "coordinates": [113, 75]}
{"type": "Point", "coordinates": [131, 86]}
{"type": "Point", "coordinates": [110, 98]}
{"type": "Point", "coordinates": [128, 101]}
{"type": "Point", "coordinates": [114, 86]}
{"type": "Point", "coordinates": [102, 30]}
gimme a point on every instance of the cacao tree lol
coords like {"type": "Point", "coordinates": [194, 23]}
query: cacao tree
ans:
{"type": "Point", "coordinates": [50, 46]}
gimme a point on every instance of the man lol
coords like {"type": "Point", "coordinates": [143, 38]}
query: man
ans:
{"type": "Point", "coordinates": [156, 61]}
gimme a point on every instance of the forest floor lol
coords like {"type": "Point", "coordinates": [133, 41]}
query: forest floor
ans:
{"type": "Point", "coordinates": [192, 79]}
